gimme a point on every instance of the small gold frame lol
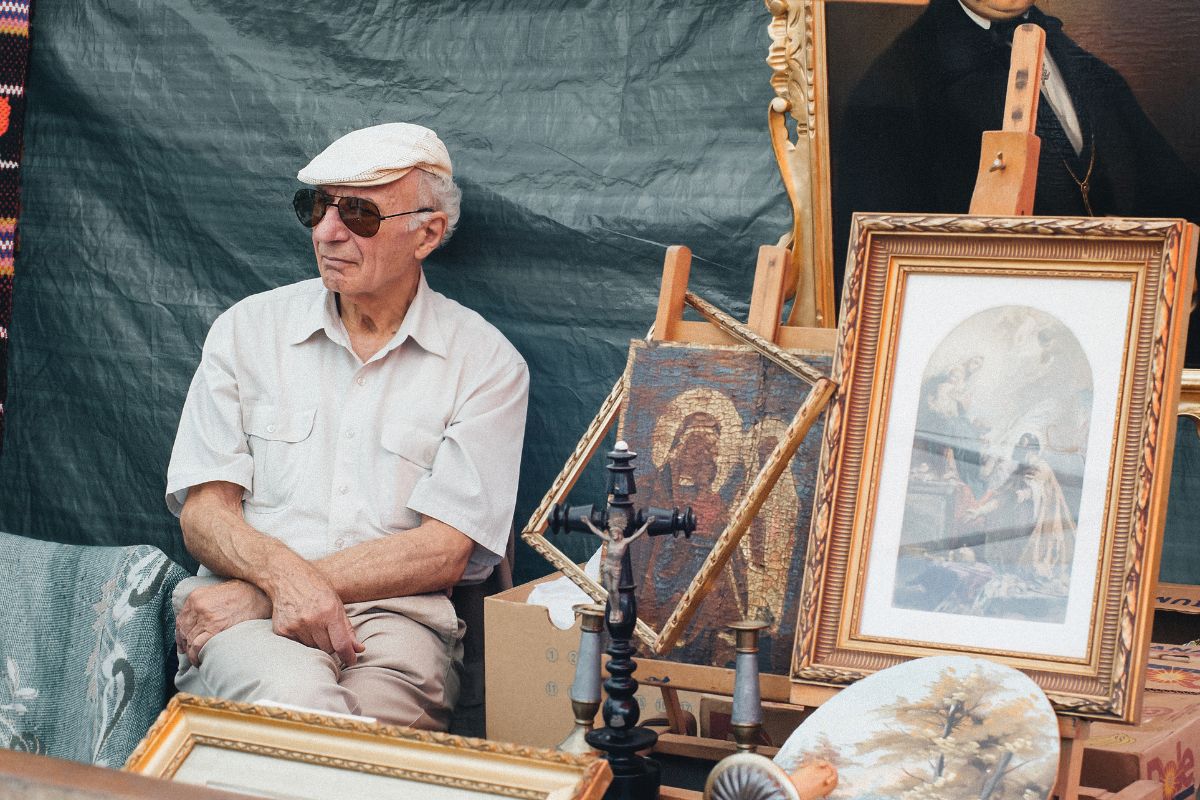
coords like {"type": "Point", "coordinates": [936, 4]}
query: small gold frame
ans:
{"type": "Point", "coordinates": [365, 756]}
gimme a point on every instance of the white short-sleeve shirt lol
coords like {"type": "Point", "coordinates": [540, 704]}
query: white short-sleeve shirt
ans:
{"type": "Point", "coordinates": [332, 451]}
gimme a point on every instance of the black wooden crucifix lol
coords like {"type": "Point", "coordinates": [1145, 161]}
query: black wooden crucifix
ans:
{"type": "Point", "coordinates": [634, 777]}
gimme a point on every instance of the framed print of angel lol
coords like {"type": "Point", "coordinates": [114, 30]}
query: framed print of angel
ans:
{"type": "Point", "coordinates": [995, 465]}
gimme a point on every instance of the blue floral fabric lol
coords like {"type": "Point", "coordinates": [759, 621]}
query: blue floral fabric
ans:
{"type": "Point", "coordinates": [85, 638]}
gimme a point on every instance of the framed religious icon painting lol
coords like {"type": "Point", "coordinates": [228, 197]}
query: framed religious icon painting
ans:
{"type": "Point", "coordinates": [720, 430]}
{"type": "Point", "coordinates": [267, 751]}
{"type": "Point", "coordinates": [711, 421]}
{"type": "Point", "coordinates": [995, 465]}
{"type": "Point", "coordinates": [731, 432]}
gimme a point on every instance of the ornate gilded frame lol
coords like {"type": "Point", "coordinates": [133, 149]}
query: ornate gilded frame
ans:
{"type": "Point", "coordinates": [1158, 258]}
{"type": "Point", "coordinates": [798, 76]}
{"type": "Point", "coordinates": [362, 751]}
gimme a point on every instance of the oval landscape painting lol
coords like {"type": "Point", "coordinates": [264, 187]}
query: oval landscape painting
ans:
{"type": "Point", "coordinates": [941, 728]}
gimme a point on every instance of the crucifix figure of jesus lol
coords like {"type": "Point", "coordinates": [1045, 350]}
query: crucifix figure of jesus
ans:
{"type": "Point", "coordinates": [616, 543]}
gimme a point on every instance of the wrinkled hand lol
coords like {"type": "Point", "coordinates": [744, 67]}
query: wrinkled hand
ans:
{"type": "Point", "coordinates": [307, 609]}
{"type": "Point", "coordinates": [211, 609]}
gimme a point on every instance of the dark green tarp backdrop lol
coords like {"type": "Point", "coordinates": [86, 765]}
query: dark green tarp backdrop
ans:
{"type": "Point", "coordinates": [162, 141]}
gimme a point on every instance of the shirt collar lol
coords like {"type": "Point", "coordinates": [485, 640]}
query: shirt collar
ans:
{"type": "Point", "coordinates": [320, 313]}
{"type": "Point", "coordinates": [982, 22]}
{"type": "Point", "coordinates": [420, 322]}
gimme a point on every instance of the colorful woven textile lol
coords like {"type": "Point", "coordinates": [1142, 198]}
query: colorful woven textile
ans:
{"type": "Point", "coordinates": [14, 69]}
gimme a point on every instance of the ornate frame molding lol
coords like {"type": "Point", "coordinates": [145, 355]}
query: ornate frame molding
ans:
{"type": "Point", "coordinates": [798, 76]}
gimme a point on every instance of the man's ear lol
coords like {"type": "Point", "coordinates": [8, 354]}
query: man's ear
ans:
{"type": "Point", "coordinates": [431, 232]}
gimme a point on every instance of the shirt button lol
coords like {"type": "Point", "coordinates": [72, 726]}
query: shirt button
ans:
{"type": "Point", "coordinates": [343, 489]}
{"type": "Point", "coordinates": [349, 434]}
{"type": "Point", "coordinates": [361, 381]}
{"type": "Point", "coordinates": [270, 429]}
{"type": "Point", "coordinates": [340, 543]}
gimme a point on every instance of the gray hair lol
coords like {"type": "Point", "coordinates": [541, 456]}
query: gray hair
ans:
{"type": "Point", "coordinates": [440, 193]}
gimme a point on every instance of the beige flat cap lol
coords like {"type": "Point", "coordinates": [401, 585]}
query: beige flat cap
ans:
{"type": "Point", "coordinates": [376, 155]}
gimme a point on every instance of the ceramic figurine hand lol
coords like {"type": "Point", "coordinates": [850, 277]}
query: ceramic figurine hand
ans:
{"type": "Point", "coordinates": [814, 779]}
{"type": "Point", "coordinates": [749, 776]}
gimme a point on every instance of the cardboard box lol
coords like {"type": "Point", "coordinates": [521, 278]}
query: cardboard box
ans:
{"type": "Point", "coordinates": [1174, 668]}
{"type": "Point", "coordinates": [529, 667]}
{"type": "Point", "coordinates": [1179, 597]}
{"type": "Point", "coordinates": [1161, 748]}
{"type": "Point", "coordinates": [1176, 613]}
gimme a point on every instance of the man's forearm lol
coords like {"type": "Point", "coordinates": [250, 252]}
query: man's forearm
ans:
{"type": "Point", "coordinates": [429, 558]}
{"type": "Point", "coordinates": [217, 536]}
{"type": "Point", "coordinates": [304, 606]}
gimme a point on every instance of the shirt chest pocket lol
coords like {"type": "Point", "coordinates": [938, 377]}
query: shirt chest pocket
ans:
{"type": "Point", "coordinates": [406, 457]}
{"type": "Point", "coordinates": [278, 439]}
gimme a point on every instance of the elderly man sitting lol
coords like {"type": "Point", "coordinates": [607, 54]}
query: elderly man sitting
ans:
{"type": "Point", "coordinates": [347, 453]}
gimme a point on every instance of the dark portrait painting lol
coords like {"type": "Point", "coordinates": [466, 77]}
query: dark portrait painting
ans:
{"type": "Point", "coordinates": [912, 88]}
{"type": "Point", "coordinates": [994, 484]}
{"type": "Point", "coordinates": [703, 420]}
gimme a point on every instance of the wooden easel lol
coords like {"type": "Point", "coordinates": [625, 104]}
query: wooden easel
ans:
{"type": "Point", "coordinates": [1005, 186]}
{"type": "Point", "coordinates": [1008, 158]}
{"type": "Point", "coordinates": [767, 298]}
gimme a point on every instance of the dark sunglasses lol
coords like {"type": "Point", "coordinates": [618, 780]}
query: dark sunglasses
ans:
{"type": "Point", "coordinates": [360, 215]}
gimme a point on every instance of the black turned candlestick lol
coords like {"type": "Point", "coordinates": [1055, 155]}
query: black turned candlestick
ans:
{"type": "Point", "coordinates": [620, 740]}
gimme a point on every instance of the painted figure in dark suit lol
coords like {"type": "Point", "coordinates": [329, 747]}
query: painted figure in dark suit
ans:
{"type": "Point", "coordinates": [913, 125]}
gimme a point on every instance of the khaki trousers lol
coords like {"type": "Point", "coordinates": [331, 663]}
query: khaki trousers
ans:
{"type": "Point", "coordinates": [408, 674]}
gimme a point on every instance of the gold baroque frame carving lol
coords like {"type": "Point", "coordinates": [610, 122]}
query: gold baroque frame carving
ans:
{"type": "Point", "coordinates": [366, 750]}
{"type": "Point", "coordinates": [798, 76]}
{"type": "Point", "coordinates": [1105, 684]}
{"type": "Point", "coordinates": [800, 79]}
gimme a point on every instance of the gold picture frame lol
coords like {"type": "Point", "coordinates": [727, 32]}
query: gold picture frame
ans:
{"type": "Point", "coordinates": [1066, 592]}
{"type": "Point", "coordinates": [796, 57]}
{"type": "Point", "coordinates": [798, 122]}
{"type": "Point", "coordinates": [267, 751]}
{"type": "Point", "coordinates": [784, 346]}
